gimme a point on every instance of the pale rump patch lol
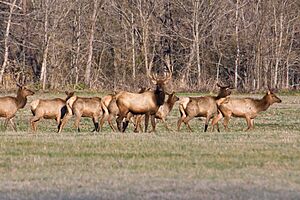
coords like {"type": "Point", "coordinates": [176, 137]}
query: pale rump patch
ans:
{"type": "Point", "coordinates": [70, 103]}
{"type": "Point", "coordinates": [183, 101]}
{"type": "Point", "coordinates": [34, 104]}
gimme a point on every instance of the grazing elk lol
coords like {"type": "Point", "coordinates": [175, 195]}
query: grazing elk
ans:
{"type": "Point", "coordinates": [83, 107]}
{"type": "Point", "coordinates": [10, 105]}
{"type": "Point", "coordinates": [206, 106]}
{"type": "Point", "coordinates": [144, 103]}
{"type": "Point", "coordinates": [247, 108]}
{"type": "Point", "coordinates": [48, 109]}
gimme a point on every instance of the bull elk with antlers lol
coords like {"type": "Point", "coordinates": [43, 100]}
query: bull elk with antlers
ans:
{"type": "Point", "coordinates": [48, 109]}
{"type": "Point", "coordinates": [206, 106]}
{"type": "Point", "coordinates": [247, 108]}
{"type": "Point", "coordinates": [10, 105]}
{"type": "Point", "coordinates": [146, 103]}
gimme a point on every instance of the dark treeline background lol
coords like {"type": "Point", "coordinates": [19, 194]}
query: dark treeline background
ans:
{"type": "Point", "coordinates": [114, 44]}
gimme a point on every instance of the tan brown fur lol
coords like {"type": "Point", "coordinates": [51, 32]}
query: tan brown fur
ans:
{"type": "Point", "coordinates": [10, 105]}
{"type": "Point", "coordinates": [206, 106]}
{"type": "Point", "coordinates": [83, 107]}
{"type": "Point", "coordinates": [141, 103]}
{"type": "Point", "coordinates": [247, 108]}
{"type": "Point", "coordinates": [48, 109]}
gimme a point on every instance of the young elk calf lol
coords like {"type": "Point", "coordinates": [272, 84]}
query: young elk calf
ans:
{"type": "Point", "coordinates": [247, 108]}
{"type": "Point", "coordinates": [10, 105]}
{"type": "Point", "coordinates": [83, 107]}
{"type": "Point", "coordinates": [48, 109]}
{"type": "Point", "coordinates": [206, 106]}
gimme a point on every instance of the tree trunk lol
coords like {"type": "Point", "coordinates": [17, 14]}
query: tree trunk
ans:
{"type": "Point", "coordinates": [46, 47]}
{"type": "Point", "coordinates": [87, 76]}
{"type": "Point", "coordinates": [237, 59]}
{"type": "Point", "coordinates": [133, 47]}
{"type": "Point", "coordinates": [5, 59]}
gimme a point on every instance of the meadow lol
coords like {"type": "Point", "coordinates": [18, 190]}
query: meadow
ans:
{"type": "Point", "coordinates": [260, 164]}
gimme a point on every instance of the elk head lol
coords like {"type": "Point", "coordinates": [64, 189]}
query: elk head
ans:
{"type": "Point", "coordinates": [224, 90]}
{"type": "Point", "coordinates": [160, 86]}
{"type": "Point", "coordinates": [24, 91]}
{"type": "Point", "coordinates": [271, 97]}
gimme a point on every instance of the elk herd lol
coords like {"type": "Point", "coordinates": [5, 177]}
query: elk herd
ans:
{"type": "Point", "coordinates": [133, 107]}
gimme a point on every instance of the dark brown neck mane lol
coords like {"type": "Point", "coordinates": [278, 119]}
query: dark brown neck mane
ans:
{"type": "Point", "coordinates": [159, 95]}
{"type": "Point", "coordinates": [21, 99]}
{"type": "Point", "coordinates": [262, 104]}
{"type": "Point", "coordinates": [221, 94]}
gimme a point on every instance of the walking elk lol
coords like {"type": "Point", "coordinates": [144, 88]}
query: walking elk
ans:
{"type": "Point", "coordinates": [10, 105]}
{"type": "Point", "coordinates": [163, 111]}
{"type": "Point", "coordinates": [83, 107]}
{"type": "Point", "coordinates": [145, 103]}
{"type": "Point", "coordinates": [206, 106]}
{"type": "Point", "coordinates": [247, 108]}
{"type": "Point", "coordinates": [48, 109]}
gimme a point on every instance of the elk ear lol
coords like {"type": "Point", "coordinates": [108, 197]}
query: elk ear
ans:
{"type": "Point", "coordinates": [19, 85]}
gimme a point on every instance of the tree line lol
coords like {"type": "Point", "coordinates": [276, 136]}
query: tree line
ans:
{"type": "Point", "coordinates": [110, 45]}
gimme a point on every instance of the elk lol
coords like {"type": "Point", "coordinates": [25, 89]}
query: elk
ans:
{"type": "Point", "coordinates": [83, 107]}
{"type": "Point", "coordinates": [163, 111]}
{"type": "Point", "coordinates": [48, 109]}
{"type": "Point", "coordinates": [144, 103]}
{"type": "Point", "coordinates": [247, 108]}
{"type": "Point", "coordinates": [206, 106]}
{"type": "Point", "coordinates": [105, 101]}
{"type": "Point", "coordinates": [10, 105]}
{"type": "Point", "coordinates": [110, 107]}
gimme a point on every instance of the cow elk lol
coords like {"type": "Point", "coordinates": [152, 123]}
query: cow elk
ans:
{"type": "Point", "coordinates": [48, 109]}
{"type": "Point", "coordinates": [247, 108]}
{"type": "Point", "coordinates": [142, 103]}
{"type": "Point", "coordinates": [83, 107]}
{"type": "Point", "coordinates": [206, 106]}
{"type": "Point", "coordinates": [10, 105]}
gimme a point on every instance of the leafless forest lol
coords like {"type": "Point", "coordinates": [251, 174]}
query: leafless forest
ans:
{"type": "Point", "coordinates": [109, 45]}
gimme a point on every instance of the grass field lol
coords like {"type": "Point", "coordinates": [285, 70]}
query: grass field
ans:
{"type": "Point", "coordinates": [260, 164]}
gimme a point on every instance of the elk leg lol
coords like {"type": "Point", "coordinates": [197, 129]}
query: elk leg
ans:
{"type": "Point", "coordinates": [33, 122]}
{"type": "Point", "coordinates": [119, 123]}
{"type": "Point", "coordinates": [103, 118]}
{"type": "Point", "coordinates": [109, 119]}
{"type": "Point", "coordinates": [252, 123]}
{"type": "Point", "coordinates": [137, 123]}
{"type": "Point", "coordinates": [153, 123]}
{"type": "Point", "coordinates": [206, 122]}
{"type": "Point", "coordinates": [13, 124]}
{"type": "Point", "coordinates": [225, 122]}
{"type": "Point", "coordinates": [125, 124]}
{"type": "Point", "coordinates": [146, 122]}
{"type": "Point", "coordinates": [186, 121]}
{"type": "Point", "coordinates": [179, 122]}
{"type": "Point", "coordinates": [63, 122]}
{"type": "Point", "coordinates": [5, 124]}
{"type": "Point", "coordinates": [77, 120]}
{"type": "Point", "coordinates": [96, 124]}
{"type": "Point", "coordinates": [249, 123]}
{"type": "Point", "coordinates": [215, 121]}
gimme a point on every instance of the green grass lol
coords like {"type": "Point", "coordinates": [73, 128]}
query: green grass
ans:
{"type": "Point", "coordinates": [84, 165]}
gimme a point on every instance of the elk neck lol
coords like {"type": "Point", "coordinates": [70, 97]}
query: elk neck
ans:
{"type": "Point", "coordinates": [262, 104]}
{"type": "Point", "coordinates": [159, 95]}
{"type": "Point", "coordinates": [21, 99]}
